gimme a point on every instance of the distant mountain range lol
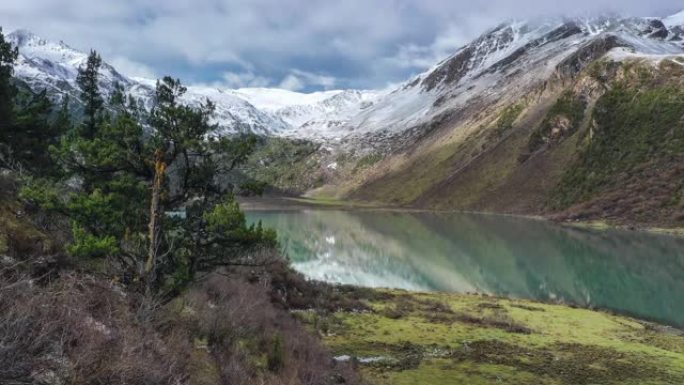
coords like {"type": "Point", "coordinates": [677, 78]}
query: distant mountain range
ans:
{"type": "Point", "coordinates": [500, 125]}
{"type": "Point", "coordinates": [483, 69]}
{"type": "Point", "coordinates": [45, 64]}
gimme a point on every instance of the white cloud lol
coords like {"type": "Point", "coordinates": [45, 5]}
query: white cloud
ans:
{"type": "Point", "coordinates": [310, 78]}
{"type": "Point", "coordinates": [292, 83]}
{"type": "Point", "coordinates": [131, 68]}
{"type": "Point", "coordinates": [445, 43]}
{"type": "Point", "coordinates": [297, 80]}
{"type": "Point", "coordinates": [370, 42]}
{"type": "Point", "coordinates": [244, 79]}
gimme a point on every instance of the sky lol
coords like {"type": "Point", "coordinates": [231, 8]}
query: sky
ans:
{"type": "Point", "coordinates": [300, 45]}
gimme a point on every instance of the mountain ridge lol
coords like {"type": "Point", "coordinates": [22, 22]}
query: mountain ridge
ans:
{"type": "Point", "coordinates": [359, 116]}
{"type": "Point", "coordinates": [45, 64]}
{"type": "Point", "coordinates": [498, 126]}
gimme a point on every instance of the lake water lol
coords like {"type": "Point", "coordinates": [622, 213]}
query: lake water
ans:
{"type": "Point", "coordinates": [632, 273]}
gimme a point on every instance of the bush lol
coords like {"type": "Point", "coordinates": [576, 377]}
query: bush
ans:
{"type": "Point", "coordinates": [276, 356]}
{"type": "Point", "coordinates": [562, 120]}
{"type": "Point", "coordinates": [79, 330]}
{"type": "Point", "coordinates": [508, 117]}
{"type": "Point", "coordinates": [633, 127]}
{"type": "Point", "coordinates": [239, 322]}
{"type": "Point", "coordinates": [367, 161]}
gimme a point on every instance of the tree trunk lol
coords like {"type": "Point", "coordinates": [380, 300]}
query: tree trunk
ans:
{"type": "Point", "coordinates": [154, 226]}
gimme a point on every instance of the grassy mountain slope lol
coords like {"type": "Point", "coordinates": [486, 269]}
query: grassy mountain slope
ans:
{"type": "Point", "coordinates": [605, 144]}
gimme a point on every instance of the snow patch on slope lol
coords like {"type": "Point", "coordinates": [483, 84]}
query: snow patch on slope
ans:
{"type": "Point", "coordinates": [274, 99]}
{"type": "Point", "coordinates": [674, 20]}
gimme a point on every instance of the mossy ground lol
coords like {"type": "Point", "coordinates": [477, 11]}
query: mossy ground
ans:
{"type": "Point", "coordinates": [465, 339]}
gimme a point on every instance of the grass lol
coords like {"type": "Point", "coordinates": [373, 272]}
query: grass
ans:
{"type": "Point", "coordinates": [367, 161]}
{"type": "Point", "coordinates": [331, 202]}
{"type": "Point", "coordinates": [445, 339]}
{"type": "Point", "coordinates": [562, 120]}
{"type": "Point", "coordinates": [634, 125]}
{"type": "Point", "coordinates": [404, 184]}
{"type": "Point", "coordinates": [635, 150]}
{"type": "Point", "coordinates": [508, 117]}
{"type": "Point", "coordinates": [607, 225]}
{"type": "Point", "coordinates": [285, 164]}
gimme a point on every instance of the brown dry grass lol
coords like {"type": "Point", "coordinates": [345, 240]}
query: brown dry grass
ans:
{"type": "Point", "coordinates": [225, 330]}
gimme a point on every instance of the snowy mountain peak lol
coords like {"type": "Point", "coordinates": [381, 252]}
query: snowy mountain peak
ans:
{"type": "Point", "coordinates": [508, 43]}
{"type": "Point", "coordinates": [510, 59]}
{"type": "Point", "coordinates": [31, 45]}
{"type": "Point", "coordinates": [44, 64]}
{"type": "Point", "coordinates": [23, 37]}
{"type": "Point", "coordinates": [676, 20]}
{"type": "Point", "coordinates": [676, 24]}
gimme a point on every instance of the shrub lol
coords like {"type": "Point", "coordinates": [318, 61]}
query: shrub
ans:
{"type": "Point", "coordinates": [633, 127]}
{"type": "Point", "coordinates": [276, 356]}
{"type": "Point", "coordinates": [562, 120]}
{"type": "Point", "coordinates": [78, 330]}
{"type": "Point", "coordinates": [507, 118]}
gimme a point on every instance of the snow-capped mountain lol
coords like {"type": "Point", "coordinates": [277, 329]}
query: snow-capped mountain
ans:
{"type": "Point", "coordinates": [44, 64]}
{"type": "Point", "coordinates": [509, 61]}
{"type": "Point", "coordinates": [313, 115]}
{"type": "Point", "coordinates": [505, 62]}
{"type": "Point", "coordinates": [676, 20]}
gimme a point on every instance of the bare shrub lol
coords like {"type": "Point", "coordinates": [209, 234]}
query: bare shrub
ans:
{"type": "Point", "coordinates": [81, 331]}
{"type": "Point", "coordinates": [239, 322]}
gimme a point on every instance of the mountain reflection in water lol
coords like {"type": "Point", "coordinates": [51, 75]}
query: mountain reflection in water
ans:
{"type": "Point", "coordinates": [634, 273]}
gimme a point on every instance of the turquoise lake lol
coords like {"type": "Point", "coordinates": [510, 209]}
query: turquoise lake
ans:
{"type": "Point", "coordinates": [633, 273]}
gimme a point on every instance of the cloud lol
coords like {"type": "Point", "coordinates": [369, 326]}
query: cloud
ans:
{"type": "Point", "coordinates": [244, 79]}
{"type": "Point", "coordinates": [445, 43]}
{"type": "Point", "coordinates": [297, 80]}
{"type": "Point", "coordinates": [355, 43]}
{"type": "Point", "coordinates": [131, 68]}
{"type": "Point", "coordinates": [292, 83]}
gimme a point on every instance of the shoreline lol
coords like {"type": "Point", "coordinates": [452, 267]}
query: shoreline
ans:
{"type": "Point", "coordinates": [283, 203]}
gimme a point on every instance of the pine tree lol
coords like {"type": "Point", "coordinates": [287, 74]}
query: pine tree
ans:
{"type": "Point", "coordinates": [87, 81]}
{"type": "Point", "coordinates": [62, 122]}
{"type": "Point", "coordinates": [8, 55]}
{"type": "Point", "coordinates": [132, 178]}
{"type": "Point", "coordinates": [27, 128]}
{"type": "Point", "coordinates": [33, 131]}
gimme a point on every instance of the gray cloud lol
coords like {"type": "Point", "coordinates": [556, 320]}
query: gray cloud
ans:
{"type": "Point", "coordinates": [351, 43]}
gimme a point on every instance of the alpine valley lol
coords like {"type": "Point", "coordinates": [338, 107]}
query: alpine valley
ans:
{"type": "Point", "coordinates": [568, 118]}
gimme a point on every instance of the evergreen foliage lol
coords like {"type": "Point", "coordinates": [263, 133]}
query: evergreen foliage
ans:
{"type": "Point", "coordinates": [568, 107]}
{"type": "Point", "coordinates": [8, 55]}
{"type": "Point", "coordinates": [142, 189]}
{"type": "Point", "coordinates": [87, 81]}
{"type": "Point", "coordinates": [27, 120]}
{"type": "Point", "coordinates": [633, 127]}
